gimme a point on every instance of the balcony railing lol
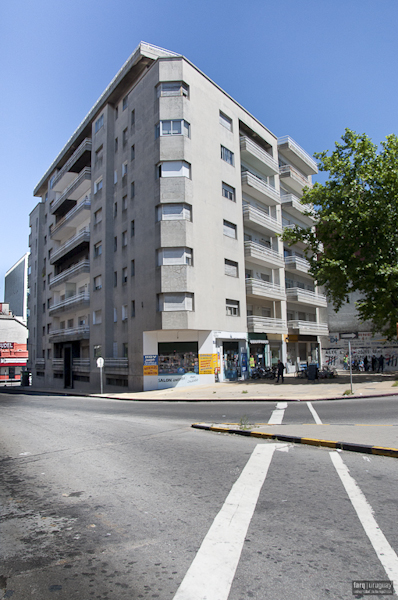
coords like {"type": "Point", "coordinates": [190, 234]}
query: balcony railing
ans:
{"type": "Point", "coordinates": [82, 331]}
{"type": "Point", "coordinates": [309, 327]}
{"type": "Point", "coordinates": [81, 267]}
{"type": "Point", "coordinates": [258, 217]}
{"type": "Point", "coordinates": [258, 287]}
{"type": "Point", "coordinates": [287, 143]}
{"type": "Point", "coordinates": [70, 303]}
{"type": "Point", "coordinates": [257, 251]}
{"type": "Point", "coordinates": [260, 157]}
{"type": "Point", "coordinates": [81, 364]}
{"type": "Point", "coordinates": [299, 180]}
{"type": "Point", "coordinates": [116, 363]}
{"type": "Point", "coordinates": [297, 263]}
{"type": "Point", "coordinates": [258, 188]}
{"type": "Point", "coordinates": [82, 236]}
{"type": "Point", "coordinates": [40, 363]}
{"type": "Point", "coordinates": [84, 205]}
{"type": "Point", "coordinates": [84, 176]}
{"type": "Point", "coordinates": [296, 294]}
{"type": "Point", "coordinates": [58, 364]}
{"type": "Point", "coordinates": [266, 325]}
{"type": "Point", "coordinates": [85, 146]}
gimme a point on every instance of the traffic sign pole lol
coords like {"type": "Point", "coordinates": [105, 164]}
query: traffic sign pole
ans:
{"type": "Point", "coordinates": [349, 351]}
{"type": "Point", "coordinates": [100, 364]}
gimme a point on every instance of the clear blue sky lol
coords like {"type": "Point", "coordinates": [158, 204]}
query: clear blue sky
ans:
{"type": "Point", "coordinates": [307, 68]}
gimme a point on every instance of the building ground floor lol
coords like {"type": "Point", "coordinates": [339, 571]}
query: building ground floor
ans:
{"type": "Point", "coordinates": [365, 346]}
{"type": "Point", "coordinates": [171, 358]}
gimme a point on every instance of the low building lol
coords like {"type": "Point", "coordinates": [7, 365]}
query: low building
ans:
{"type": "Point", "coordinates": [13, 347]}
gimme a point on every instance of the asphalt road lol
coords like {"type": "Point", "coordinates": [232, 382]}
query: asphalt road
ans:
{"type": "Point", "coordinates": [123, 500]}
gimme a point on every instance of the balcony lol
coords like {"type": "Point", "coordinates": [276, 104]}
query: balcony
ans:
{"type": "Point", "coordinates": [308, 328]}
{"type": "Point", "coordinates": [266, 325]}
{"type": "Point", "coordinates": [77, 272]}
{"type": "Point", "coordinates": [262, 255]}
{"type": "Point", "coordinates": [296, 263]}
{"type": "Point", "coordinates": [116, 365]}
{"type": "Point", "coordinates": [259, 189]}
{"type": "Point", "coordinates": [80, 186]}
{"type": "Point", "coordinates": [40, 363]}
{"type": "Point", "coordinates": [302, 296]}
{"type": "Point", "coordinates": [293, 178]}
{"type": "Point", "coordinates": [79, 159]}
{"type": "Point", "coordinates": [82, 238]}
{"type": "Point", "coordinates": [255, 155]}
{"type": "Point", "coordinates": [297, 156]}
{"type": "Point", "coordinates": [70, 335]}
{"type": "Point", "coordinates": [70, 304]}
{"type": "Point", "coordinates": [264, 289]}
{"type": "Point", "coordinates": [292, 205]}
{"type": "Point", "coordinates": [58, 364]}
{"type": "Point", "coordinates": [260, 221]}
{"type": "Point", "coordinates": [71, 220]}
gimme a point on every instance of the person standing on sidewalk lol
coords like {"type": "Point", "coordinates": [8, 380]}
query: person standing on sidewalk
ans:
{"type": "Point", "coordinates": [279, 369]}
{"type": "Point", "coordinates": [381, 363]}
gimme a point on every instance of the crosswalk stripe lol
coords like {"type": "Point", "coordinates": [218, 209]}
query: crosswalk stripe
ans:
{"type": "Point", "coordinates": [277, 415]}
{"type": "Point", "coordinates": [314, 413]}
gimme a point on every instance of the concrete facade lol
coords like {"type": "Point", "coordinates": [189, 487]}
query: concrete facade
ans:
{"type": "Point", "coordinates": [155, 242]}
{"type": "Point", "coordinates": [13, 347]}
{"type": "Point", "coordinates": [16, 288]}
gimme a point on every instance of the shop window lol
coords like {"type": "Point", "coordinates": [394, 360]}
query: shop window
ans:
{"type": "Point", "coordinates": [177, 358]}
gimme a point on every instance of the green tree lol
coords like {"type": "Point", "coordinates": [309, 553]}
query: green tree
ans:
{"type": "Point", "coordinates": [353, 245]}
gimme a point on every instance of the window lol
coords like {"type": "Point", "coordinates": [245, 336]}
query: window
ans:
{"type": "Point", "coordinates": [124, 239]}
{"type": "Point", "coordinates": [114, 278]}
{"type": "Point", "coordinates": [132, 152]}
{"type": "Point", "coordinates": [132, 228]}
{"type": "Point", "coordinates": [115, 177]}
{"type": "Point", "coordinates": [116, 113]}
{"type": "Point", "coordinates": [124, 275]}
{"type": "Point", "coordinates": [124, 312]}
{"type": "Point", "coordinates": [98, 216]}
{"type": "Point", "coordinates": [132, 120]}
{"type": "Point", "coordinates": [174, 256]}
{"type": "Point", "coordinates": [229, 229]}
{"type": "Point", "coordinates": [124, 203]}
{"type": "Point", "coordinates": [98, 186]}
{"type": "Point", "coordinates": [232, 308]}
{"type": "Point", "coordinates": [231, 268]}
{"type": "Point", "coordinates": [174, 212]}
{"type": "Point", "coordinates": [116, 144]}
{"type": "Point", "coordinates": [265, 312]}
{"type": "Point", "coordinates": [174, 168]}
{"type": "Point", "coordinates": [124, 170]}
{"type": "Point", "coordinates": [97, 351]}
{"type": "Point", "coordinates": [175, 127]}
{"type": "Point", "coordinates": [99, 123]}
{"type": "Point", "coordinates": [225, 121]}
{"type": "Point", "coordinates": [97, 317]}
{"type": "Point", "coordinates": [98, 282]}
{"type": "Point", "coordinates": [70, 323]}
{"type": "Point", "coordinates": [115, 210]}
{"type": "Point", "coordinates": [44, 307]}
{"type": "Point", "coordinates": [228, 192]}
{"type": "Point", "coordinates": [125, 350]}
{"type": "Point", "coordinates": [175, 302]}
{"type": "Point", "coordinates": [227, 155]}
{"type": "Point", "coordinates": [97, 249]}
{"type": "Point", "coordinates": [125, 135]}
{"type": "Point", "coordinates": [172, 88]}
{"type": "Point", "coordinates": [125, 102]}
{"type": "Point", "coordinates": [99, 153]}
{"type": "Point", "coordinates": [249, 310]}
{"type": "Point", "coordinates": [133, 308]}
{"type": "Point", "coordinates": [115, 315]}
{"type": "Point", "coordinates": [115, 243]}
{"type": "Point", "coordinates": [132, 189]}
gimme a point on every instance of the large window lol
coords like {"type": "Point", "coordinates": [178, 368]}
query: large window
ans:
{"type": "Point", "coordinates": [174, 212]}
{"type": "Point", "coordinates": [227, 155]}
{"type": "Point", "coordinates": [175, 302]}
{"type": "Point", "coordinates": [172, 88]}
{"type": "Point", "coordinates": [175, 256]}
{"type": "Point", "coordinates": [178, 358]}
{"type": "Point", "coordinates": [175, 127]}
{"type": "Point", "coordinates": [174, 168]}
{"type": "Point", "coordinates": [232, 308]}
{"type": "Point", "coordinates": [228, 192]}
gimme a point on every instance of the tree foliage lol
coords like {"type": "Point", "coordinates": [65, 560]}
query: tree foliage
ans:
{"type": "Point", "coordinates": [354, 243]}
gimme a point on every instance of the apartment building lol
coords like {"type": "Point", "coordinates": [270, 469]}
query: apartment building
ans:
{"type": "Point", "coordinates": [155, 246]}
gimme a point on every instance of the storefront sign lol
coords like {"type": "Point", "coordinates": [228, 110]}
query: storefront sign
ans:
{"type": "Point", "coordinates": [150, 364]}
{"type": "Point", "coordinates": [168, 381]}
{"type": "Point", "coordinates": [6, 345]}
{"type": "Point", "coordinates": [207, 363]}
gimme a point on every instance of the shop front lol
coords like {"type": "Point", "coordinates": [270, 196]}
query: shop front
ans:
{"type": "Point", "coordinates": [302, 350]}
{"type": "Point", "coordinates": [259, 350]}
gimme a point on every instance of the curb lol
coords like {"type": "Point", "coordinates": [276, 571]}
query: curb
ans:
{"type": "Point", "coordinates": [348, 446]}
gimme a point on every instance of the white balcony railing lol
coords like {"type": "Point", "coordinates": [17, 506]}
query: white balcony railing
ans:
{"type": "Point", "coordinates": [266, 325]}
{"type": "Point", "coordinates": [81, 364]}
{"type": "Point", "coordinates": [257, 251]}
{"type": "Point", "coordinates": [85, 146]}
{"type": "Point", "coordinates": [309, 327]}
{"type": "Point", "coordinates": [84, 205]}
{"type": "Point", "coordinates": [116, 363]}
{"type": "Point", "coordinates": [258, 287]}
{"type": "Point", "coordinates": [295, 175]}
{"type": "Point", "coordinates": [84, 177]}
{"type": "Point", "coordinates": [83, 330]}
{"type": "Point", "coordinates": [261, 158]}
{"type": "Point", "coordinates": [58, 364]}
{"type": "Point", "coordinates": [82, 236]}
{"type": "Point", "coordinates": [297, 294]}
{"type": "Point", "coordinates": [294, 147]}
{"type": "Point", "coordinates": [297, 263]}
{"type": "Point", "coordinates": [258, 217]}
{"type": "Point", "coordinates": [259, 188]}
{"type": "Point", "coordinates": [70, 303]}
{"type": "Point", "coordinates": [81, 267]}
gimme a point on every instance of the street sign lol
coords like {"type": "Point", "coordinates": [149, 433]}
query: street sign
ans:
{"type": "Point", "coordinates": [100, 362]}
{"type": "Point", "coordinates": [349, 336]}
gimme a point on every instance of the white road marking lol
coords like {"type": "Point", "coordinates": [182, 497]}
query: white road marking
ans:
{"type": "Point", "coordinates": [314, 413]}
{"type": "Point", "coordinates": [385, 553]}
{"type": "Point", "coordinates": [212, 571]}
{"type": "Point", "coordinates": [277, 414]}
